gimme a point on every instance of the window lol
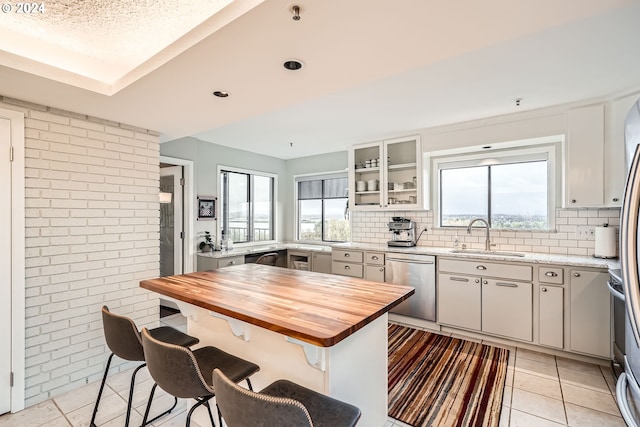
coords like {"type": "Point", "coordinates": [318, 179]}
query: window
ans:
{"type": "Point", "coordinates": [247, 205]}
{"type": "Point", "coordinates": [511, 190]}
{"type": "Point", "coordinates": [322, 208]}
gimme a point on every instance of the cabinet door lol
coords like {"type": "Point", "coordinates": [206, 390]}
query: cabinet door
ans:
{"type": "Point", "coordinates": [507, 309]}
{"type": "Point", "coordinates": [207, 263]}
{"type": "Point", "coordinates": [552, 316]}
{"type": "Point", "coordinates": [590, 313]}
{"type": "Point", "coordinates": [459, 301]}
{"type": "Point", "coordinates": [321, 263]}
{"type": "Point", "coordinates": [615, 173]}
{"type": "Point", "coordinates": [366, 186]}
{"type": "Point", "coordinates": [403, 173]}
{"type": "Point", "coordinates": [585, 151]}
{"type": "Point", "coordinates": [374, 273]}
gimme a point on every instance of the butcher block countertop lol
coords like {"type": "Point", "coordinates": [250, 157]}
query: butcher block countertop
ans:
{"type": "Point", "coordinates": [321, 309]}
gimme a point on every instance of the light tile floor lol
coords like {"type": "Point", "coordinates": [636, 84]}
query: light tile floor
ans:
{"type": "Point", "coordinates": [541, 390]}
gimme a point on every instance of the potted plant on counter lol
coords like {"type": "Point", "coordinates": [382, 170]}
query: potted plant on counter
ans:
{"type": "Point", "coordinates": [207, 245]}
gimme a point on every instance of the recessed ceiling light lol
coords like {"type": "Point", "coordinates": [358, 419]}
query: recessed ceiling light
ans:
{"type": "Point", "coordinates": [221, 94]}
{"type": "Point", "coordinates": [293, 64]}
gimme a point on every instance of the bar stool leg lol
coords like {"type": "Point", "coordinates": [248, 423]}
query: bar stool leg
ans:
{"type": "Point", "coordinates": [104, 380]}
{"type": "Point", "coordinates": [130, 402]}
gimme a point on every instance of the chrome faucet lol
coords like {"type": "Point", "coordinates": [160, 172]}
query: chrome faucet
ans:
{"type": "Point", "coordinates": [487, 241]}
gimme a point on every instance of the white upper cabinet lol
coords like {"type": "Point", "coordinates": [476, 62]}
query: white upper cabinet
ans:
{"type": "Point", "coordinates": [386, 175]}
{"type": "Point", "coordinates": [615, 172]}
{"type": "Point", "coordinates": [585, 157]}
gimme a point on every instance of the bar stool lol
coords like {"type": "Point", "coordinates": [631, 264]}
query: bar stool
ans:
{"type": "Point", "coordinates": [188, 374]}
{"type": "Point", "coordinates": [282, 404]}
{"type": "Point", "coordinates": [268, 259]}
{"type": "Point", "coordinates": [123, 339]}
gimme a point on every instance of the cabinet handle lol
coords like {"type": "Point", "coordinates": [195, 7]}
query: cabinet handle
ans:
{"type": "Point", "coordinates": [461, 279]}
{"type": "Point", "coordinates": [481, 267]}
{"type": "Point", "coordinates": [346, 267]}
{"type": "Point", "coordinates": [506, 285]}
{"type": "Point", "coordinates": [551, 274]}
{"type": "Point", "coordinates": [231, 262]}
{"type": "Point", "coordinates": [381, 269]}
{"type": "Point", "coordinates": [543, 289]}
{"type": "Point", "coordinates": [573, 200]}
{"type": "Point", "coordinates": [347, 255]}
{"type": "Point", "coordinates": [375, 257]}
{"type": "Point", "coordinates": [615, 199]}
{"type": "Point", "coordinates": [477, 280]}
{"type": "Point", "coordinates": [576, 274]}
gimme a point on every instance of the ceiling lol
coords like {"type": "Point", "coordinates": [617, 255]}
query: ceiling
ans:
{"type": "Point", "coordinates": [373, 68]}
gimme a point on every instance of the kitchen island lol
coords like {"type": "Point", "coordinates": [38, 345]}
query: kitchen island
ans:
{"type": "Point", "coordinates": [326, 332]}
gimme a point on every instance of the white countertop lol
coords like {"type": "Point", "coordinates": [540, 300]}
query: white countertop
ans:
{"type": "Point", "coordinates": [247, 250]}
{"type": "Point", "coordinates": [529, 257]}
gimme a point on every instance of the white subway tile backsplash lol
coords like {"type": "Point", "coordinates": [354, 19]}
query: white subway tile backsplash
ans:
{"type": "Point", "coordinates": [371, 227]}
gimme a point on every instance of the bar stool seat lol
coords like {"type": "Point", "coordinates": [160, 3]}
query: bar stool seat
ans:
{"type": "Point", "coordinates": [123, 339]}
{"type": "Point", "coordinates": [282, 403]}
{"type": "Point", "coordinates": [187, 374]}
{"type": "Point", "coordinates": [268, 259]}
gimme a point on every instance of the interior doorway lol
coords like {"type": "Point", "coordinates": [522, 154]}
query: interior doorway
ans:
{"type": "Point", "coordinates": [171, 221]}
{"type": "Point", "coordinates": [12, 261]}
{"type": "Point", "coordinates": [5, 266]}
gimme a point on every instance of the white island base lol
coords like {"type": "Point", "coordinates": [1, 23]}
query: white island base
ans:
{"type": "Point", "coordinates": [354, 370]}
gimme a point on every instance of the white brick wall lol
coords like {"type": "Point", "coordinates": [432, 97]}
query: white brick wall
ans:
{"type": "Point", "coordinates": [92, 233]}
{"type": "Point", "coordinates": [371, 227]}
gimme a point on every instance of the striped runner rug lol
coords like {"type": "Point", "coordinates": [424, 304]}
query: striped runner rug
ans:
{"type": "Point", "coordinates": [435, 380]}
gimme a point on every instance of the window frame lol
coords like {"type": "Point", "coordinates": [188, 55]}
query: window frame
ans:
{"type": "Point", "coordinates": [548, 152]}
{"type": "Point", "coordinates": [296, 222]}
{"type": "Point", "coordinates": [250, 189]}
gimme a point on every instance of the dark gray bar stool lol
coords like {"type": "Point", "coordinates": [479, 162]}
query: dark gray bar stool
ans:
{"type": "Point", "coordinates": [282, 404]}
{"type": "Point", "coordinates": [123, 339]}
{"type": "Point", "coordinates": [188, 374]}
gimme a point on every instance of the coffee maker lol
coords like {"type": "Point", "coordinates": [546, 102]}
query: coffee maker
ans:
{"type": "Point", "coordinates": [403, 232]}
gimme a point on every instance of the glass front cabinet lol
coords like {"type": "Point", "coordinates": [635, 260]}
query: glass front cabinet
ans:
{"type": "Point", "coordinates": [386, 175]}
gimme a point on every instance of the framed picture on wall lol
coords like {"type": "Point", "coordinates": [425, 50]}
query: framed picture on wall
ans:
{"type": "Point", "coordinates": [206, 207]}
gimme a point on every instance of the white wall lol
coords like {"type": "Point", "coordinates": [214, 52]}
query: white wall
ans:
{"type": "Point", "coordinates": [92, 233]}
{"type": "Point", "coordinates": [207, 156]}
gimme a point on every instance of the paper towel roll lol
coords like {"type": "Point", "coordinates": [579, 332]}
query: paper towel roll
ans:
{"type": "Point", "coordinates": [605, 242]}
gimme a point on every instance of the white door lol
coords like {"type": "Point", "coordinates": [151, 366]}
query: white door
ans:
{"type": "Point", "coordinates": [5, 266]}
{"type": "Point", "coordinates": [171, 223]}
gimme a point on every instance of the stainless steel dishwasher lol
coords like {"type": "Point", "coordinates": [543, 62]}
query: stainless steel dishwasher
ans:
{"type": "Point", "coordinates": [418, 271]}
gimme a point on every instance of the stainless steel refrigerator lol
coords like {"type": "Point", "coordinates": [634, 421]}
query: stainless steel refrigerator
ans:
{"type": "Point", "coordinates": [628, 386]}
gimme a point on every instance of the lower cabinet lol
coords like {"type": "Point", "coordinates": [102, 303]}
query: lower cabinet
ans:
{"type": "Point", "coordinates": [551, 310]}
{"type": "Point", "coordinates": [374, 273]}
{"type": "Point", "coordinates": [459, 301]}
{"type": "Point", "coordinates": [507, 309]}
{"type": "Point", "coordinates": [321, 262]}
{"type": "Point", "coordinates": [590, 313]}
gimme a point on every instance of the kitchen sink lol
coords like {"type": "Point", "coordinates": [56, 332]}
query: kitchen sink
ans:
{"type": "Point", "coordinates": [483, 252]}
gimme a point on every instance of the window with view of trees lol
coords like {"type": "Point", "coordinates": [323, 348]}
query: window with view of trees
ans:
{"type": "Point", "coordinates": [509, 193]}
{"type": "Point", "coordinates": [247, 206]}
{"type": "Point", "coordinates": [322, 208]}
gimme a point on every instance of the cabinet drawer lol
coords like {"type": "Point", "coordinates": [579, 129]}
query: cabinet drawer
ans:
{"type": "Point", "coordinates": [207, 263]}
{"type": "Point", "coordinates": [347, 269]}
{"type": "Point", "coordinates": [553, 275]}
{"type": "Point", "coordinates": [346, 256]}
{"type": "Point", "coordinates": [487, 269]}
{"type": "Point", "coordinates": [376, 258]}
{"type": "Point", "coordinates": [233, 260]}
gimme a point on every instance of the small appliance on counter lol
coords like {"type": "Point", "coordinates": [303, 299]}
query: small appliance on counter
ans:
{"type": "Point", "coordinates": [403, 232]}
